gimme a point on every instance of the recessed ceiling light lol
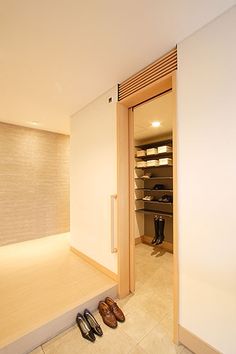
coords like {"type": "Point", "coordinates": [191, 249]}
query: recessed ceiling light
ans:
{"type": "Point", "coordinates": [156, 124]}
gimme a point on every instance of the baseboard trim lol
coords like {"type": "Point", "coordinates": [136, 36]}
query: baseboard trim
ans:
{"type": "Point", "coordinates": [137, 240]}
{"type": "Point", "coordinates": [167, 246]}
{"type": "Point", "coordinates": [95, 264]}
{"type": "Point", "coordinates": [194, 343]}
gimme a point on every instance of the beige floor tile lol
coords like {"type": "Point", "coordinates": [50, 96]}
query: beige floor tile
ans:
{"type": "Point", "coordinates": [123, 303]}
{"type": "Point", "coordinates": [158, 307]}
{"type": "Point", "coordinates": [38, 350]}
{"type": "Point", "coordinates": [186, 351]}
{"type": "Point", "coordinates": [167, 324]}
{"type": "Point", "coordinates": [114, 341]}
{"type": "Point", "coordinates": [138, 323]}
{"type": "Point", "coordinates": [131, 302]}
{"type": "Point", "coordinates": [137, 350]}
{"type": "Point", "coordinates": [157, 342]}
{"type": "Point", "coordinates": [154, 305]}
{"type": "Point", "coordinates": [148, 325]}
{"type": "Point", "coordinates": [71, 342]}
{"type": "Point", "coordinates": [153, 299]}
{"type": "Point", "coordinates": [159, 283]}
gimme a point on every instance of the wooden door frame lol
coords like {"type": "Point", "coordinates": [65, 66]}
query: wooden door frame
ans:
{"type": "Point", "coordinates": [125, 203]}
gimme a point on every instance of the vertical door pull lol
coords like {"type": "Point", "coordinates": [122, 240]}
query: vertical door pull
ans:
{"type": "Point", "coordinates": [113, 224]}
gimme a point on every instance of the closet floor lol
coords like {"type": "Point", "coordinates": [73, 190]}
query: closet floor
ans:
{"type": "Point", "coordinates": [41, 280]}
{"type": "Point", "coordinates": [148, 325]}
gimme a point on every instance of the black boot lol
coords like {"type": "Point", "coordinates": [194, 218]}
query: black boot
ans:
{"type": "Point", "coordinates": [156, 226]}
{"type": "Point", "coordinates": [161, 225]}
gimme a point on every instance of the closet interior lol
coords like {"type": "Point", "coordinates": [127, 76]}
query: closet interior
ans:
{"type": "Point", "coordinates": [153, 172]}
{"type": "Point", "coordinates": [152, 162]}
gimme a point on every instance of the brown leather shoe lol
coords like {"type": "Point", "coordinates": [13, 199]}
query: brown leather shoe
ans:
{"type": "Point", "coordinates": [107, 315]}
{"type": "Point", "coordinates": [115, 309]}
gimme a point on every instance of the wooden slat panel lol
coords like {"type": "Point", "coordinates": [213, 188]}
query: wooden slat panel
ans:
{"type": "Point", "coordinates": [153, 72]}
{"type": "Point", "coordinates": [149, 68]}
{"type": "Point", "coordinates": [160, 68]}
{"type": "Point", "coordinates": [143, 86]}
{"type": "Point", "coordinates": [162, 73]}
{"type": "Point", "coordinates": [151, 65]}
{"type": "Point", "coordinates": [145, 72]}
{"type": "Point", "coordinates": [147, 92]}
{"type": "Point", "coordinates": [166, 70]}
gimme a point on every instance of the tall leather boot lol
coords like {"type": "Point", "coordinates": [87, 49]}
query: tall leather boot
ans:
{"type": "Point", "coordinates": [156, 227]}
{"type": "Point", "coordinates": [161, 225]}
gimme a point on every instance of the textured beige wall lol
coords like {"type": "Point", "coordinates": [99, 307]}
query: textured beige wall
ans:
{"type": "Point", "coordinates": [34, 183]}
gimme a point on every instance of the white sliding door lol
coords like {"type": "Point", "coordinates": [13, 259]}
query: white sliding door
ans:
{"type": "Point", "coordinates": [94, 179]}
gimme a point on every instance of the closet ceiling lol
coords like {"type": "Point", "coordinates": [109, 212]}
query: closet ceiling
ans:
{"type": "Point", "coordinates": [159, 109]}
{"type": "Point", "coordinates": [57, 56]}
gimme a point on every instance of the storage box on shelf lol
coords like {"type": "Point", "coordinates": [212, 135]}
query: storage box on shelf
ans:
{"type": "Point", "coordinates": [164, 149]}
{"type": "Point", "coordinates": [152, 151]}
{"type": "Point", "coordinates": [141, 153]}
{"type": "Point", "coordinates": [141, 164]}
{"type": "Point", "coordinates": [152, 163]}
{"type": "Point", "coordinates": [165, 161]}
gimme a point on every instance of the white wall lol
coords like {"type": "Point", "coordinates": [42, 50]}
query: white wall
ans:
{"type": "Point", "coordinates": [94, 178]}
{"type": "Point", "coordinates": [206, 182]}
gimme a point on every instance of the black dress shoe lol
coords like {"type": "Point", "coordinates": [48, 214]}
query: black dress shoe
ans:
{"type": "Point", "coordinates": [85, 329]}
{"type": "Point", "coordinates": [165, 199]}
{"type": "Point", "coordinates": [93, 323]}
{"type": "Point", "coordinates": [158, 186]}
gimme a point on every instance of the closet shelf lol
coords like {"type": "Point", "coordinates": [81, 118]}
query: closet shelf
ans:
{"type": "Point", "coordinates": [157, 143]}
{"type": "Point", "coordinates": [154, 178]}
{"type": "Point", "coordinates": [153, 201]}
{"type": "Point", "coordinates": [154, 190]}
{"type": "Point", "coordinates": [142, 189]}
{"type": "Point", "coordinates": [145, 168]}
{"type": "Point", "coordinates": [154, 212]}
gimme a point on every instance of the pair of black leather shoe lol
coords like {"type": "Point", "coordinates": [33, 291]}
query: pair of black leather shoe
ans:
{"type": "Point", "coordinates": [166, 199]}
{"type": "Point", "coordinates": [88, 326]}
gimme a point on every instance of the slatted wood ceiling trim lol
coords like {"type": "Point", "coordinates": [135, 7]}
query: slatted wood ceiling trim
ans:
{"type": "Point", "coordinates": [161, 67]}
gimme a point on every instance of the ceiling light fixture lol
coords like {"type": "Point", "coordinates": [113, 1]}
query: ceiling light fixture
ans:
{"type": "Point", "coordinates": [34, 123]}
{"type": "Point", "coordinates": [156, 124]}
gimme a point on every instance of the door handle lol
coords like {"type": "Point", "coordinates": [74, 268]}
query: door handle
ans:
{"type": "Point", "coordinates": [113, 231]}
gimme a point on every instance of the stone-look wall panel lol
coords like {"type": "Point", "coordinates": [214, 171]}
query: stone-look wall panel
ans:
{"type": "Point", "coordinates": [34, 183]}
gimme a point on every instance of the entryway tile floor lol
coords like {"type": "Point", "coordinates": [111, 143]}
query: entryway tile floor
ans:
{"type": "Point", "coordinates": [148, 325]}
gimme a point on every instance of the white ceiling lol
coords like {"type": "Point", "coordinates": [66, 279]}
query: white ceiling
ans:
{"type": "Point", "coordinates": [58, 55]}
{"type": "Point", "coordinates": [159, 109]}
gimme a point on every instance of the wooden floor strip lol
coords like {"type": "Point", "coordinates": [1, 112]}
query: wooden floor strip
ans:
{"type": "Point", "coordinates": [41, 280]}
